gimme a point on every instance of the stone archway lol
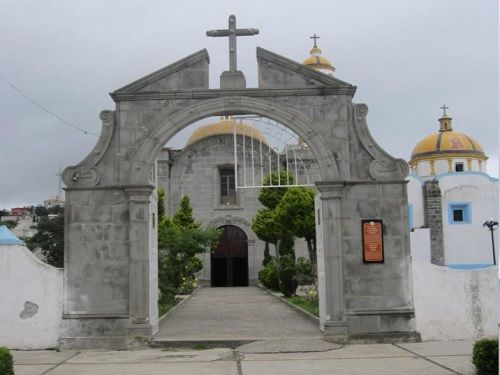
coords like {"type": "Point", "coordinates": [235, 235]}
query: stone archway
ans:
{"type": "Point", "coordinates": [110, 249]}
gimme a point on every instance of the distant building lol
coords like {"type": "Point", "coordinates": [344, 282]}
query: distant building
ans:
{"type": "Point", "coordinates": [21, 212]}
{"type": "Point", "coordinates": [53, 201]}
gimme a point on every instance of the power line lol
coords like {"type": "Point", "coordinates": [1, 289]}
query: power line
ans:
{"type": "Point", "coordinates": [46, 109]}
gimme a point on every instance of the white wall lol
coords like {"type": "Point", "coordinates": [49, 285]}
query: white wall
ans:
{"type": "Point", "coordinates": [416, 199]}
{"type": "Point", "coordinates": [469, 243]}
{"type": "Point", "coordinates": [420, 244]}
{"type": "Point", "coordinates": [454, 304]}
{"type": "Point", "coordinates": [30, 300]}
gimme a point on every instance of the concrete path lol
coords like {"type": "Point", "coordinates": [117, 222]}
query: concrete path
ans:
{"type": "Point", "coordinates": [217, 314]}
{"type": "Point", "coordinates": [434, 358]}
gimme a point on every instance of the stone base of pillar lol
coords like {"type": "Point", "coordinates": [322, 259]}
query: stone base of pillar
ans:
{"type": "Point", "coordinates": [140, 330]}
{"type": "Point", "coordinates": [335, 331]}
{"type": "Point", "coordinates": [232, 80]}
{"type": "Point", "coordinates": [94, 333]}
{"type": "Point", "coordinates": [382, 326]}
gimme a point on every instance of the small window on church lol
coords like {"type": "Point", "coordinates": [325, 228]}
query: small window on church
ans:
{"type": "Point", "coordinates": [227, 186]}
{"type": "Point", "coordinates": [459, 213]}
{"type": "Point", "coordinates": [459, 167]}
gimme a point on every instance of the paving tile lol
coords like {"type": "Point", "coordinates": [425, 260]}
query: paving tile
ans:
{"type": "Point", "coordinates": [151, 356]}
{"type": "Point", "coordinates": [198, 368]}
{"type": "Point", "coordinates": [40, 357]}
{"type": "Point", "coordinates": [462, 364]}
{"type": "Point", "coordinates": [440, 348]}
{"type": "Point", "coordinates": [31, 369]}
{"type": "Point", "coordinates": [380, 366]}
{"type": "Point", "coordinates": [346, 352]}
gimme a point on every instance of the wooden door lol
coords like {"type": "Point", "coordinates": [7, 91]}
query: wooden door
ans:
{"type": "Point", "coordinates": [229, 262]}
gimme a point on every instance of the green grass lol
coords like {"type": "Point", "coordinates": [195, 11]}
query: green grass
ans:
{"type": "Point", "coordinates": [305, 303]}
{"type": "Point", "coordinates": [200, 347]}
{"type": "Point", "coordinates": [166, 305]}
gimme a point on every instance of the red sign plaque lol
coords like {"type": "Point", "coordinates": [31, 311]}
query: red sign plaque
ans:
{"type": "Point", "coordinates": [373, 241]}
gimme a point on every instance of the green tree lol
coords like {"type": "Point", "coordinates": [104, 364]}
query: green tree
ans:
{"type": "Point", "coordinates": [50, 238]}
{"type": "Point", "coordinates": [161, 204]}
{"type": "Point", "coordinates": [184, 216]}
{"type": "Point", "coordinates": [270, 197]}
{"type": "Point", "coordinates": [41, 211]}
{"type": "Point", "coordinates": [179, 240]}
{"type": "Point", "coordinates": [267, 229]}
{"type": "Point", "coordinates": [296, 211]}
{"type": "Point", "coordinates": [55, 210]}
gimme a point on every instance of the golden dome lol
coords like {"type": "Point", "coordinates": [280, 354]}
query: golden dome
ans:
{"type": "Point", "coordinates": [225, 126]}
{"type": "Point", "coordinates": [316, 61]}
{"type": "Point", "coordinates": [445, 144]}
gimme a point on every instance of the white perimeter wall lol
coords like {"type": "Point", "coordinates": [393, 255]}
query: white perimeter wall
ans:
{"type": "Point", "coordinates": [454, 304]}
{"type": "Point", "coordinates": [30, 300]}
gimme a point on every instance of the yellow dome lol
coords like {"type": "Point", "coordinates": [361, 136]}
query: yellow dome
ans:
{"type": "Point", "coordinates": [225, 126]}
{"type": "Point", "coordinates": [316, 61]}
{"type": "Point", "coordinates": [445, 144]}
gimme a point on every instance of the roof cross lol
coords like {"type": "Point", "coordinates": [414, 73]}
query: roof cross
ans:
{"type": "Point", "coordinates": [444, 108]}
{"type": "Point", "coordinates": [314, 37]}
{"type": "Point", "coordinates": [232, 32]}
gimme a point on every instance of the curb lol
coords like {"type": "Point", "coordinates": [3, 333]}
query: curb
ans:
{"type": "Point", "coordinates": [300, 310]}
{"type": "Point", "coordinates": [178, 305]}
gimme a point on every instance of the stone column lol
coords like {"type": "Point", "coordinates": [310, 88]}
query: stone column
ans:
{"type": "Point", "coordinates": [140, 323]}
{"type": "Point", "coordinates": [329, 249]}
{"type": "Point", "coordinates": [434, 220]}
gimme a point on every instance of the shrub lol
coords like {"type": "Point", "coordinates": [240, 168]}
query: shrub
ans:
{"type": "Point", "coordinates": [188, 285]}
{"type": "Point", "coordinates": [286, 274]}
{"type": "Point", "coordinates": [485, 356]}
{"type": "Point", "coordinates": [268, 275]}
{"type": "Point", "coordinates": [6, 362]}
{"type": "Point", "coordinates": [304, 271]}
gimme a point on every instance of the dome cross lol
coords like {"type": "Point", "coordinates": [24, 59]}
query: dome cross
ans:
{"type": "Point", "coordinates": [314, 37]}
{"type": "Point", "coordinates": [444, 108]}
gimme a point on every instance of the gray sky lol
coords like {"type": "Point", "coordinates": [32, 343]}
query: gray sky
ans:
{"type": "Point", "coordinates": [406, 57]}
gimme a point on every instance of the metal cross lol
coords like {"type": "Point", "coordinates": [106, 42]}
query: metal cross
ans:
{"type": "Point", "coordinates": [314, 37]}
{"type": "Point", "coordinates": [444, 108]}
{"type": "Point", "coordinates": [232, 32]}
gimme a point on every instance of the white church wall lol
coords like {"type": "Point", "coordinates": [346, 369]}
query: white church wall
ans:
{"type": "Point", "coordinates": [31, 300]}
{"type": "Point", "coordinates": [420, 244]}
{"type": "Point", "coordinates": [423, 168]}
{"type": "Point", "coordinates": [441, 166]}
{"type": "Point", "coordinates": [468, 243]}
{"type": "Point", "coordinates": [454, 304]}
{"type": "Point", "coordinates": [415, 202]}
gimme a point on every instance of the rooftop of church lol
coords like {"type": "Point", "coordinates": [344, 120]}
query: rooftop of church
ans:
{"type": "Point", "coordinates": [226, 125]}
{"type": "Point", "coordinates": [447, 142]}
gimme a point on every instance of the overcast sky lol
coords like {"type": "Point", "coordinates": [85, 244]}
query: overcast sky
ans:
{"type": "Point", "coordinates": [406, 57]}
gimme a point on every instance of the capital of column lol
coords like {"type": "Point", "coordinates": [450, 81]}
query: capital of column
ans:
{"type": "Point", "coordinates": [330, 189]}
{"type": "Point", "coordinates": [139, 193]}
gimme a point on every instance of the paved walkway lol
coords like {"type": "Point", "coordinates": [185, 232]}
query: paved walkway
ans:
{"type": "Point", "coordinates": [434, 358]}
{"type": "Point", "coordinates": [246, 313]}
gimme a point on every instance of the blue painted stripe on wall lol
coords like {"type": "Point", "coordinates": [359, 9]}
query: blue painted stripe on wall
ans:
{"type": "Point", "coordinates": [469, 266]}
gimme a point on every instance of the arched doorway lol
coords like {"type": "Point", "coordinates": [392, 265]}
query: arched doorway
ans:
{"type": "Point", "coordinates": [229, 262]}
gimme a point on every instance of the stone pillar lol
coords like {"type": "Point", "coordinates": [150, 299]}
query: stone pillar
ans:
{"type": "Point", "coordinates": [141, 321]}
{"type": "Point", "coordinates": [329, 252]}
{"type": "Point", "coordinates": [434, 220]}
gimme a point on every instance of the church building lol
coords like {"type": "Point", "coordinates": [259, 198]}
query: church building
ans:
{"type": "Point", "coordinates": [450, 196]}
